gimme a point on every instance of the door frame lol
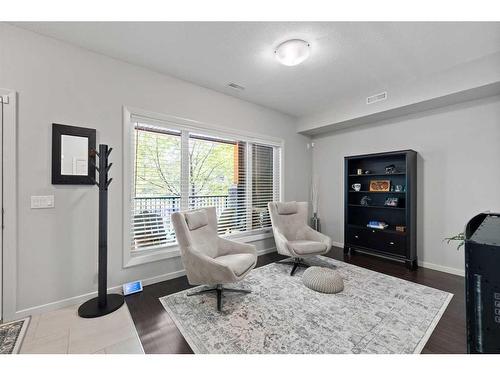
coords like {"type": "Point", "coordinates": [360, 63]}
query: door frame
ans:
{"type": "Point", "coordinates": [10, 206]}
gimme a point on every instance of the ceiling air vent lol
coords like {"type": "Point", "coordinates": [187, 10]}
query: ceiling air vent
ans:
{"type": "Point", "coordinates": [235, 86]}
{"type": "Point", "coordinates": [376, 98]}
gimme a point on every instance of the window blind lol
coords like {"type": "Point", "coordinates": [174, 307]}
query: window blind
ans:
{"type": "Point", "coordinates": [179, 169]}
{"type": "Point", "coordinates": [265, 183]}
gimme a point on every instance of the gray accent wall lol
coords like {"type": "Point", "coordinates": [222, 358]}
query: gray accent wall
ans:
{"type": "Point", "coordinates": [458, 171]}
{"type": "Point", "coordinates": [57, 82]}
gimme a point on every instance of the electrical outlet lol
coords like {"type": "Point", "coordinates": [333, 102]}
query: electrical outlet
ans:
{"type": "Point", "coordinates": [42, 201]}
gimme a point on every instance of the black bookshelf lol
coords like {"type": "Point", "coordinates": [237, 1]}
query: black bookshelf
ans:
{"type": "Point", "coordinates": [389, 242]}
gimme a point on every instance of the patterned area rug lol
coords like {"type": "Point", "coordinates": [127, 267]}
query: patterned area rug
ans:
{"type": "Point", "coordinates": [375, 313]}
{"type": "Point", "coordinates": [11, 336]}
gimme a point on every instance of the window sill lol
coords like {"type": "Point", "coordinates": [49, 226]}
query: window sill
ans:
{"type": "Point", "coordinates": [251, 237]}
{"type": "Point", "coordinates": [173, 251]}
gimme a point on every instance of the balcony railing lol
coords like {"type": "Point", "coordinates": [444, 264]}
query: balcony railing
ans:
{"type": "Point", "coordinates": [152, 225]}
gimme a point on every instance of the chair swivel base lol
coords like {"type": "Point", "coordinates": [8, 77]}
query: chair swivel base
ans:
{"type": "Point", "coordinates": [296, 263]}
{"type": "Point", "coordinates": [218, 289]}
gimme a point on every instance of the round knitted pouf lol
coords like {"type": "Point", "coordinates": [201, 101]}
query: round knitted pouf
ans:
{"type": "Point", "coordinates": [323, 280]}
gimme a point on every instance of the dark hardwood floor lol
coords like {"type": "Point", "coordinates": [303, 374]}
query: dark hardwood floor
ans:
{"type": "Point", "coordinates": [159, 334]}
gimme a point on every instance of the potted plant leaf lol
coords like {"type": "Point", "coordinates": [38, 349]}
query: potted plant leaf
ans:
{"type": "Point", "coordinates": [459, 238]}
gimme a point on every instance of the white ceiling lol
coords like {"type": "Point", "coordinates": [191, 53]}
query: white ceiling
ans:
{"type": "Point", "coordinates": [346, 58]}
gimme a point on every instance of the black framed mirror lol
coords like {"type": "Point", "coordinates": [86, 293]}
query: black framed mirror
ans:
{"type": "Point", "coordinates": [73, 155]}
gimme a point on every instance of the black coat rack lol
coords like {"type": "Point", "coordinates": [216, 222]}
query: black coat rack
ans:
{"type": "Point", "coordinates": [104, 303]}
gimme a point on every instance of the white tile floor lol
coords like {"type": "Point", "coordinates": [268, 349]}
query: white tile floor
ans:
{"type": "Point", "coordinates": [63, 331]}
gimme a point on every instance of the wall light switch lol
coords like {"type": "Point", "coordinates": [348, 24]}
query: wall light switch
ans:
{"type": "Point", "coordinates": [42, 201]}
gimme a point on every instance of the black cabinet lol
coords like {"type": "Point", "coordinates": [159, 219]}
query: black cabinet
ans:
{"type": "Point", "coordinates": [382, 187]}
{"type": "Point", "coordinates": [482, 283]}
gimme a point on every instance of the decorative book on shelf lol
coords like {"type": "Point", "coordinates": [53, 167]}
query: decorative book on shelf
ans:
{"type": "Point", "coordinates": [377, 225]}
{"type": "Point", "coordinates": [380, 205]}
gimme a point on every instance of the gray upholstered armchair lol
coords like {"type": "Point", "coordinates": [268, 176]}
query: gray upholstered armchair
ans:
{"type": "Point", "coordinates": [293, 237]}
{"type": "Point", "coordinates": [208, 258]}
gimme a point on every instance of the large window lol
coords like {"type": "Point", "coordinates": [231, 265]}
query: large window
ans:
{"type": "Point", "coordinates": [178, 169]}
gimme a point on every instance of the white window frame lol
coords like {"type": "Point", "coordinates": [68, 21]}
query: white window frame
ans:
{"type": "Point", "coordinates": [182, 124]}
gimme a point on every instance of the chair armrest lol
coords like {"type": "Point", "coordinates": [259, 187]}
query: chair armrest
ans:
{"type": "Point", "coordinates": [312, 235]}
{"type": "Point", "coordinates": [232, 247]}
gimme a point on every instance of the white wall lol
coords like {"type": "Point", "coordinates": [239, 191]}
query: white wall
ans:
{"type": "Point", "coordinates": [56, 82]}
{"type": "Point", "coordinates": [458, 175]}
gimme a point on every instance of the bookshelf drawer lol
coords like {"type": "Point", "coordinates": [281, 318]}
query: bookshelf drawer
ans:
{"type": "Point", "coordinates": [390, 243]}
{"type": "Point", "coordinates": [359, 237]}
{"type": "Point", "coordinates": [363, 237]}
{"type": "Point", "coordinates": [378, 240]}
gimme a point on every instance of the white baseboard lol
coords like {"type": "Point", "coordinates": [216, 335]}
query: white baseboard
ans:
{"type": "Point", "coordinates": [164, 277]}
{"type": "Point", "coordinates": [337, 244]}
{"type": "Point", "coordinates": [40, 309]}
{"type": "Point", "coordinates": [266, 251]}
{"type": "Point", "coordinates": [437, 267]}
{"type": "Point", "coordinates": [423, 264]}
{"type": "Point", "coordinates": [115, 289]}
{"type": "Point", "coordinates": [84, 297]}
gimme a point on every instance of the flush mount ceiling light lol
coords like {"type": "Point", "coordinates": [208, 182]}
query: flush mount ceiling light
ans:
{"type": "Point", "coordinates": [292, 52]}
